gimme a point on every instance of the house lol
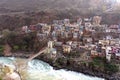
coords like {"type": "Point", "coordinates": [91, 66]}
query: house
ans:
{"type": "Point", "coordinates": [109, 37]}
{"type": "Point", "coordinates": [39, 26]}
{"type": "Point", "coordinates": [74, 44]}
{"type": "Point", "coordinates": [88, 26]}
{"type": "Point", "coordinates": [46, 29]}
{"type": "Point", "coordinates": [25, 29]}
{"type": "Point", "coordinates": [119, 30]}
{"type": "Point", "coordinates": [67, 28]}
{"type": "Point", "coordinates": [108, 53]}
{"type": "Point", "coordinates": [94, 53]}
{"type": "Point", "coordinates": [50, 44]}
{"type": "Point", "coordinates": [66, 34]}
{"type": "Point", "coordinates": [81, 28]}
{"type": "Point", "coordinates": [46, 33]}
{"type": "Point", "coordinates": [117, 54]}
{"type": "Point", "coordinates": [97, 20]}
{"type": "Point", "coordinates": [74, 26]}
{"type": "Point", "coordinates": [87, 19]}
{"type": "Point", "coordinates": [104, 42]}
{"type": "Point", "coordinates": [54, 34]}
{"type": "Point", "coordinates": [58, 43]}
{"type": "Point", "coordinates": [32, 28]}
{"type": "Point", "coordinates": [55, 21]}
{"type": "Point", "coordinates": [41, 36]}
{"type": "Point", "coordinates": [55, 39]}
{"type": "Point", "coordinates": [66, 21]}
{"type": "Point", "coordinates": [61, 22]}
{"type": "Point", "coordinates": [88, 40]}
{"type": "Point", "coordinates": [53, 53]}
{"type": "Point", "coordinates": [66, 48]}
{"type": "Point", "coordinates": [69, 43]}
{"type": "Point", "coordinates": [114, 28]}
{"type": "Point", "coordinates": [57, 27]}
{"type": "Point", "coordinates": [79, 21]}
{"type": "Point", "coordinates": [75, 35]}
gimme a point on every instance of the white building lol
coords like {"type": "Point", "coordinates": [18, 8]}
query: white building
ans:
{"type": "Point", "coordinates": [109, 37]}
{"type": "Point", "coordinates": [108, 54]}
{"type": "Point", "coordinates": [25, 29]}
{"type": "Point", "coordinates": [50, 44]}
{"type": "Point", "coordinates": [79, 21]}
{"type": "Point", "coordinates": [66, 21]}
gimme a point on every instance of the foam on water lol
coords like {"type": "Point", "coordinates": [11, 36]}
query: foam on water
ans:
{"type": "Point", "coordinates": [39, 70]}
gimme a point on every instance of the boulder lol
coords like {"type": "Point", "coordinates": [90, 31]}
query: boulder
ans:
{"type": "Point", "coordinates": [12, 76]}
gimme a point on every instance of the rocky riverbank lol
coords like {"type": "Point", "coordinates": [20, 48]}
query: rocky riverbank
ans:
{"type": "Point", "coordinates": [70, 64]}
{"type": "Point", "coordinates": [82, 67]}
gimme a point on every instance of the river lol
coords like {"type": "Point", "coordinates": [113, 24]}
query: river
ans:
{"type": "Point", "coordinates": [39, 70]}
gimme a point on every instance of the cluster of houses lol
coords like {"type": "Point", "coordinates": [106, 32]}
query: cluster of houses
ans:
{"type": "Point", "coordinates": [67, 37]}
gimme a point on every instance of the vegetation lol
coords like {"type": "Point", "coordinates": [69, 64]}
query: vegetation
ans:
{"type": "Point", "coordinates": [16, 21]}
{"type": "Point", "coordinates": [22, 42]}
{"type": "Point", "coordinates": [73, 54]}
{"type": "Point", "coordinates": [111, 68]}
{"type": "Point", "coordinates": [1, 48]}
{"type": "Point", "coordinates": [61, 61]}
{"type": "Point", "coordinates": [100, 64]}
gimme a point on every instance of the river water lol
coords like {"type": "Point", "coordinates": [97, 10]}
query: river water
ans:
{"type": "Point", "coordinates": [39, 70]}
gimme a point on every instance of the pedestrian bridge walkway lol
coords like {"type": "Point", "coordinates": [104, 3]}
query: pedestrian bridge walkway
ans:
{"type": "Point", "coordinates": [23, 65]}
{"type": "Point", "coordinates": [39, 53]}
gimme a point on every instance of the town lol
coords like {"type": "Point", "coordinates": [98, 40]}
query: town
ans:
{"type": "Point", "coordinates": [88, 33]}
{"type": "Point", "coordinates": [85, 42]}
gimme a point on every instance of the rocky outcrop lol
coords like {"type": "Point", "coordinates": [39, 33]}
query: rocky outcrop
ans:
{"type": "Point", "coordinates": [12, 76]}
{"type": "Point", "coordinates": [9, 73]}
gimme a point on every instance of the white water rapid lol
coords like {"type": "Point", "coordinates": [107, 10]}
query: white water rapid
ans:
{"type": "Point", "coordinates": [39, 70]}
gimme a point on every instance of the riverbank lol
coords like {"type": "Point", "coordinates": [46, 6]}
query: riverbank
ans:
{"type": "Point", "coordinates": [69, 64]}
{"type": "Point", "coordinates": [82, 67]}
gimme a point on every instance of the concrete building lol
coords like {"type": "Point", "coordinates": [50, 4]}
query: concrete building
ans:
{"type": "Point", "coordinates": [97, 20]}
{"type": "Point", "coordinates": [66, 48]}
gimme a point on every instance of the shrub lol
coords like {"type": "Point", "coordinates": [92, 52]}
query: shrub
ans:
{"type": "Point", "coordinates": [111, 68]}
{"type": "Point", "coordinates": [1, 48]}
{"type": "Point", "coordinates": [101, 64]}
{"type": "Point", "coordinates": [16, 48]}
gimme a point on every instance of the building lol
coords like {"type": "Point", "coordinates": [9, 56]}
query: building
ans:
{"type": "Point", "coordinates": [53, 53]}
{"type": "Point", "coordinates": [50, 44]}
{"type": "Point", "coordinates": [66, 48]}
{"type": "Point", "coordinates": [75, 35]}
{"type": "Point", "coordinates": [117, 54]}
{"type": "Point", "coordinates": [66, 21]}
{"type": "Point", "coordinates": [97, 20]}
{"type": "Point", "coordinates": [58, 44]}
{"type": "Point", "coordinates": [108, 53]}
{"type": "Point", "coordinates": [32, 28]}
{"type": "Point", "coordinates": [94, 53]}
{"type": "Point", "coordinates": [25, 29]}
{"type": "Point", "coordinates": [114, 28]}
{"type": "Point", "coordinates": [79, 21]}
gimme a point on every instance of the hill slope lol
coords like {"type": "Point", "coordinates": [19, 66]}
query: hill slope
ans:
{"type": "Point", "coordinates": [23, 5]}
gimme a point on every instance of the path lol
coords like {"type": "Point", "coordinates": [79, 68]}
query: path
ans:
{"type": "Point", "coordinates": [23, 64]}
{"type": "Point", "coordinates": [39, 53]}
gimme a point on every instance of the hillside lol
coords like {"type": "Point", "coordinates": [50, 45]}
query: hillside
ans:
{"type": "Point", "coordinates": [43, 5]}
